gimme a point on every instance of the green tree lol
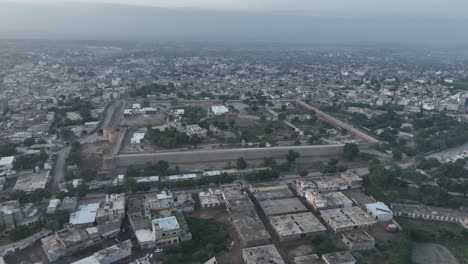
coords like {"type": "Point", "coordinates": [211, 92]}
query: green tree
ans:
{"type": "Point", "coordinates": [397, 154]}
{"type": "Point", "coordinates": [303, 173]}
{"type": "Point", "coordinates": [292, 156]}
{"type": "Point", "coordinates": [241, 163]}
{"type": "Point", "coordinates": [350, 151]}
{"type": "Point", "coordinates": [29, 142]}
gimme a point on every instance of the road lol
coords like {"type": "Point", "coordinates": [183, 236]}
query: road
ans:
{"type": "Point", "coordinates": [60, 163]}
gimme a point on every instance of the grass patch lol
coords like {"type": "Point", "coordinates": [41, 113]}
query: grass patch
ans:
{"type": "Point", "coordinates": [445, 234]}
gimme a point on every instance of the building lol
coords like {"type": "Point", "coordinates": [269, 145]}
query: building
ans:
{"type": "Point", "coordinates": [184, 202]}
{"type": "Point", "coordinates": [282, 206]}
{"type": "Point", "coordinates": [210, 261]}
{"type": "Point", "coordinates": [68, 204]}
{"type": "Point", "coordinates": [358, 241]}
{"type": "Point", "coordinates": [351, 178]}
{"type": "Point", "coordinates": [346, 219]}
{"type": "Point", "coordinates": [296, 226]}
{"type": "Point", "coordinates": [330, 185]}
{"type": "Point", "coordinates": [245, 219]}
{"type": "Point", "coordinates": [109, 255]}
{"type": "Point", "coordinates": [195, 130]}
{"type": "Point", "coordinates": [6, 163]}
{"type": "Point", "coordinates": [29, 182]}
{"type": "Point", "coordinates": [379, 211]}
{"type": "Point", "coordinates": [210, 198]}
{"type": "Point", "coordinates": [219, 110]}
{"type": "Point", "coordinates": [84, 216]}
{"type": "Point", "coordinates": [262, 193]}
{"type": "Point", "coordinates": [53, 205]}
{"type": "Point", "coordinates": [308, 259]}
{"type": "Point", "coordinates": [262, 255]}
{"type": "Point", "coordinates": [330, 200]}
{"type": "Point", "coordinates": [339, 258]}
{"type": "Point", "coordinates": [71, 240]}
{"type": "Point", "coordinates": [166, 231]}
{"type": "Point", "coordinates": [137, 138]}
{"type": "Point", "coordinates": [12, 214]}
{"type": "Point", "coordinates": [113, 207]}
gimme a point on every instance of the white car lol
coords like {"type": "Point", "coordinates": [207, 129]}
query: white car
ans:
{"type": "Point", "coordinates": [158, 250]}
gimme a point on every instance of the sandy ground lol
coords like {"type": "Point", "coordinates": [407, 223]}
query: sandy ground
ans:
{"type": "Point", "coordinates": [429, 253]}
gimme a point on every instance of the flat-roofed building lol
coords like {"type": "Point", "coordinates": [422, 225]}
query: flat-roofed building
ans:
{"type": "Point", "coordinates": [262, 255]}
{"type": "Point", "coordinates": [346, 219]}
{"type": "Point", "coordinates": [210, 198]}
{"type": "Point", "coordinates": [29, 182]}
{"type": "Point", "coordinates": [343, 257]}
{"type": "Point", "coordinates": [296, 226]}
{"type": "Point", "coordinates": [282, 206]}
{"type": "Point", "coordinates": [245, 219]}
{"type": "Point", "coordinates": [109, 255]}
{"type": "Point", "coordinates": [6, 163]}
{"type": "Point", "coordinates": [113, 207]}
{"type": "Point", "coordinates": [328, 200]}
{"type": "Point", "coordinates": [195, 130]}
{"type": "Point", "coordinates": [166, 231]}
{"type": "Point", "coordinates": [271, 192]}
{"type": "Point", "coordinates": [308, 259]}
{"type": "Point", "coordinates": [358, 241]}
{"type": "Point", "coordinates": [330, 185]}
{"type": "Point", "coordinates": [84, 216]}
{"type": "Point", "coordinates": [352, 178]}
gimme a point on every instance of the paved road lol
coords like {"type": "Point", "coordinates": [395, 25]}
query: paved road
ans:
{"type": "Point", "coordinates": [60, 162]}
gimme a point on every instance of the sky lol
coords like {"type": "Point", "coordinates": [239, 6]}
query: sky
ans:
{"type": "Point", "coordinates": [419, 8]}
{"type": "Point", "coordinates": [285, 21]}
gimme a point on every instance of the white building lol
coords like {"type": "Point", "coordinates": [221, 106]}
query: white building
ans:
{"type": "Point", "coordinates": [166, 231]}
{"type": "Point", "coordinates": [210, 198]}
{"type": "Point", "coordinates": [85, 215]}
{"type": "Point", "coordinates": [137, 138]}
{"type": "Point", "coordinates": [218, 110]}
{"type": "Point", "coordinates": [53, 205]}
{"type": "Point", "coordinates": [6, 163]}
{"type": "Point", "coordinates": [379, 211]}
{"type": "Point", "coordinates": [109, 255]}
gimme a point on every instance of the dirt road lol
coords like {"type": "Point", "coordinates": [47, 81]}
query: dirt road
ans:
{"type": "Point", "coordinates": [429, 253]}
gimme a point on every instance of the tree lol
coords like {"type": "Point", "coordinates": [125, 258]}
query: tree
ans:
{"type": "Point", "coordinates": [282, 116]}
{"type": "Point", "coordinates": [350, 151]}
{"type": "Point", "coordinates": [397, 154]}
{"type": "Point", "coordinates": [241, 163]}
{"type": "Point", "coordinates": [269, 161]}
{"type": "Point", "coordinates": [303, 173]}
{"type": "Point", "coordinates": [292, 156]}
{"type": "Point", "coordinates": [29, 142]}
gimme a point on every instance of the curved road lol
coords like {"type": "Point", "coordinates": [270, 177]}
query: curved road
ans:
{"type": "Point", "coordinates": [60, 162]}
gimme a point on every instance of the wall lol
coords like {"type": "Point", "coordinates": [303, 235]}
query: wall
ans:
{"type": "Point", "coordinates": [204, 157]}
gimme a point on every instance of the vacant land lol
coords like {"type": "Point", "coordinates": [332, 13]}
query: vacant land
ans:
{"type": "Point", "coordinates": [430, 253]}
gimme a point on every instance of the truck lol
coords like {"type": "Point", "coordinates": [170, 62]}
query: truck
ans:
{"type": "Point", "coordinates": [392, 228]}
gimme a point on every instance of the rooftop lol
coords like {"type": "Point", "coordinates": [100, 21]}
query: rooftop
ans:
{"type": "Point", "coordinates": [272, 195]}
{"type": "Point", "coordinates": [85, 214]}
{"type": "Point", "coordinates": [309, 259]}
{"type": "Point", "coordinates": [343, 257]}
{"type": "Point", "coordinates": [7, 160]}
{"type": "Point", "coordinates": [282, 206]}
{"type": "Point", "coordinates": [296, 224]}
{"type": "Point", "coordinates": [358, 237]}
{"type": "Point", "coordinates": [31, 181]}
{"type": "Point", "coordinates": [262, 255]}
{"type": "Point", "coordinates": [166, 223]}
{"type": "Point", "coordinates": [346, 217]}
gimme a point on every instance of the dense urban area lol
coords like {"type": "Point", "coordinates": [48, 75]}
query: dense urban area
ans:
{"type": "Point", "coordinates": [123, 152]}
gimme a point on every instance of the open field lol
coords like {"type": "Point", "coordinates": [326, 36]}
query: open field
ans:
{"type": "Point", "coordinates": [430, 253]}
{"type": "Point", "coordinates": [446, 234]}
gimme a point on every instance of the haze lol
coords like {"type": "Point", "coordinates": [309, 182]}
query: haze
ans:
{"type": "Point", "coordinates": [297, 21]}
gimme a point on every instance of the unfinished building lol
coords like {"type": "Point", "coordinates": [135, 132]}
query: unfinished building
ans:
{"type": "Point", "coordinates": [282, 206]}
{"type": "Point", "coordinates": [346, 219]}
{"type": "Point", "coordinates": [262, 255]}
{"type": "Point", "coordinates": [296, 226]}
{"type": "Point", "coordinates": [246, 221]}
{"type": "Point", "coordinates": [358, 241]}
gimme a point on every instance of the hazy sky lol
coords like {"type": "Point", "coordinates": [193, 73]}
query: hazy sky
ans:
{"type": "Point", "coordinates": [292, 21]}
{"type": "Point", "coordinates": [426, 8]}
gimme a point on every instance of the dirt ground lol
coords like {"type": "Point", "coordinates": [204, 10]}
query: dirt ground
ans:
{"type": "Point", "coordinates": [92, 155]}
{"type": "Point", "coordinates": [429, 253]}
